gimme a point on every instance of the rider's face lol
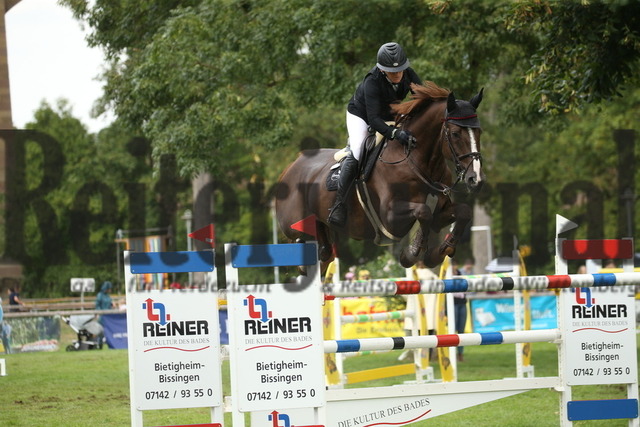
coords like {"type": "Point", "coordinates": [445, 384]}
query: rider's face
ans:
{"type": "Point", "coordinates": [394, 77]}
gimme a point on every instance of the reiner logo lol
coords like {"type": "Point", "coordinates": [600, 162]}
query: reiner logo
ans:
{"type": "Point", "coordinates": [162, 317]}
{"type": "Point", "coordinates": [583, 297]}
{"type": "Point", "coordinates": [263, 313]}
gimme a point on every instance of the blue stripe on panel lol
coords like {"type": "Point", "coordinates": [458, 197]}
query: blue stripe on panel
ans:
{"type": "Point", "coordinates": [274, 255]}
{"type": "Point", "coordinates": [578, 410]}
{"type": "Point", "coordinates": [171, 262]}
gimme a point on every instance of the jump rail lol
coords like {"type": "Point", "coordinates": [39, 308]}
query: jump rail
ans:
{"type": "Point", "coordinates": [481, 284]}
{"type": "Point", "coordinates": [434, 341]}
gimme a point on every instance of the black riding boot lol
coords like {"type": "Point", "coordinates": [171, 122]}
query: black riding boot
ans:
{"type": "Point", "coordinates": [348, 172]}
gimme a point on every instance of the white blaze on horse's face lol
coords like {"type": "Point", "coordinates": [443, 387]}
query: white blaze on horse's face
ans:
{"type": "Point", "coordinates": [475, 165]}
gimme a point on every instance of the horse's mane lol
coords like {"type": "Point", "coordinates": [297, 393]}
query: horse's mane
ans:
{"type": "Point", "coordinates": [422, 96]}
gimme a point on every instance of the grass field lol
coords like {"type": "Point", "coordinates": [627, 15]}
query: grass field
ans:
{"type": "Point", "coordinates": [91, 388]}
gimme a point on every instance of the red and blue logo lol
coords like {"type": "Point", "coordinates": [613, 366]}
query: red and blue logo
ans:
{"type": "Point", "coordinates": [156, 312]}
{"type": "Point", "coordinates": [275, 417]}
{"type": "Point", "coordinates": [583, 297]}
{"type": "Point", "coordinates": [258, 308]}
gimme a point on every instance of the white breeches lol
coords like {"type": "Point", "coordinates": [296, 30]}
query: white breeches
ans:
{"type": "Point", "coordinates": [358, 131]}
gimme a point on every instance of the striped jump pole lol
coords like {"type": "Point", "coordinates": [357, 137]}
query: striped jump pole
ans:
{"type": "Point", "coordinates": [434, 341]}
{"type": "Point", "coordinates": [479, 284]}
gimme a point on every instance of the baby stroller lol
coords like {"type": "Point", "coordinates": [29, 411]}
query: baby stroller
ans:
{"type": "Point", "coordinates": [89, 331]}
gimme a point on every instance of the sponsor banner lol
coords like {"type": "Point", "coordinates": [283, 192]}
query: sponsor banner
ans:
{"type": "Point", "coordinates": [600, 336]}
{"type": "Point", "coordinates": [277, 348]}
{"type": "Point", "coordinates": [176, 350]}
{"type": "Point", "coordinates": [496, 315]}
{"type": "Point", "coordinates": [357, 306]}
{"type": "Point", "coordinates": [115, 330]}
{"type": "Point", "coordinates": [30, 334]}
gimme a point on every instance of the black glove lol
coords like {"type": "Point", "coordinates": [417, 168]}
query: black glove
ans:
{"type": "Point", "coordinates": [404, 136]}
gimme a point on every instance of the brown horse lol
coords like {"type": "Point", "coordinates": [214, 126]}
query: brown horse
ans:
{"type": "Point", "coordinates": [406, 185]}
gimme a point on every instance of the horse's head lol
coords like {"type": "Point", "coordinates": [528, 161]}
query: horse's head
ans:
{"type": "Point", "coordinates": [461, 131]}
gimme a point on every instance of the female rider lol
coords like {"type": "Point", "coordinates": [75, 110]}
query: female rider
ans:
{"type": "Point", "coordinates": [387, 83]}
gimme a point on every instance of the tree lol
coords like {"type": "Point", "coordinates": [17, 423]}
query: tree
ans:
{"type": "Point", "coordinates": [218, 83]}
{"type": "Point", "coordinates": [209, 76]}
{"type": "Point", "coordinates": [70, 191]}
{"type": "Point", "coordinates": [588, 51]}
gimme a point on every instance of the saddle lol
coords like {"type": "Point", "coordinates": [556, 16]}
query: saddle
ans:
{"type": "Point", "coordinates": [370, 152]}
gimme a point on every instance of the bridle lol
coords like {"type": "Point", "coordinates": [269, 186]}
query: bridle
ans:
{"type": "Point", "coordinates": [475, 155]}
{"type": "Point", "coordinates": [461, 170]}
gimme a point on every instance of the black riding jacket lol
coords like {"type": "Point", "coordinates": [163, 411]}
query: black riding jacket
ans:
{"type": "Point", "coordinates": [374, 95]}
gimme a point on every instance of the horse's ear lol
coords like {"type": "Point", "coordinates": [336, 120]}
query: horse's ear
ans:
{"type": "Point", "coordinates": [476, 100]}
{"type": "Point", "coordinates": [451, 102]}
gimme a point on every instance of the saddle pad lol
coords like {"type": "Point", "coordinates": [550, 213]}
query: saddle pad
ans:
{"type": "Point", "coordinates": [332, 178]}
{"type": "Point", "coordinates": [366, 164]}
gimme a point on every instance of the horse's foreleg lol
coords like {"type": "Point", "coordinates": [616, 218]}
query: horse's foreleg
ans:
{"type": "Point", "coordinates": [325, 251]}
{"type": "Point", "coordinates": [461, 215]}
{"type": "Point", "coordinates": [414, 251]}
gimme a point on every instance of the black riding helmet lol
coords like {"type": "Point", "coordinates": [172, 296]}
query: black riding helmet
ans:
{"type": "Point", "coordinates": [391, 58]}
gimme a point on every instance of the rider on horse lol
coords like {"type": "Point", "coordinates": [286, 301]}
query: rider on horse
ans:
{"type": "Point", "coordinates": [388, 82]}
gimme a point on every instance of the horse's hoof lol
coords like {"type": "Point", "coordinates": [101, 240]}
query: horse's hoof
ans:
{"type": "Point", "coordinates": [448, 251]}
{"type": "Point", "coordinates": [433, 257]}
{"type": "Point", "coordinates": [448, 247]}
{"type": "Point", "coordinates": [406, 261]}
{"type": "Point", "coordinates": [326, 254]}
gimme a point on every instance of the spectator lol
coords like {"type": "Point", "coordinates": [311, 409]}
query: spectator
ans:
{"type": "Point", "coordinates": [14, 299]}
{"type": "Point", "coordinates": [103, 302]}
{"type": "Point", "coordinates": [467, 268]}
{"type": "Point", "coordinates": [103, 299]}
{"type": "Point", "coordinates": [5, 332]}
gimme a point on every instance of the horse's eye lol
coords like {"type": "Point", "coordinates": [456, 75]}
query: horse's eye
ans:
{"type": "Point", "coordinates": [455, 134]}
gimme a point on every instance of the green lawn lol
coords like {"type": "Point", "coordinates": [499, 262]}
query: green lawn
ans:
{"type": "Point", "coordinates": [92, 388]}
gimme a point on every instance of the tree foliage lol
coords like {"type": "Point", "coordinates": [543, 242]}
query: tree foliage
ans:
{"type": "Point", "coordinates": [104, 183]}
{"type": "Point", "coordinates": [221, 83]}
{"type": "Point", "coordinates": [588, 51]}
{"type": "Point", "coordinates": [202, 78]}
